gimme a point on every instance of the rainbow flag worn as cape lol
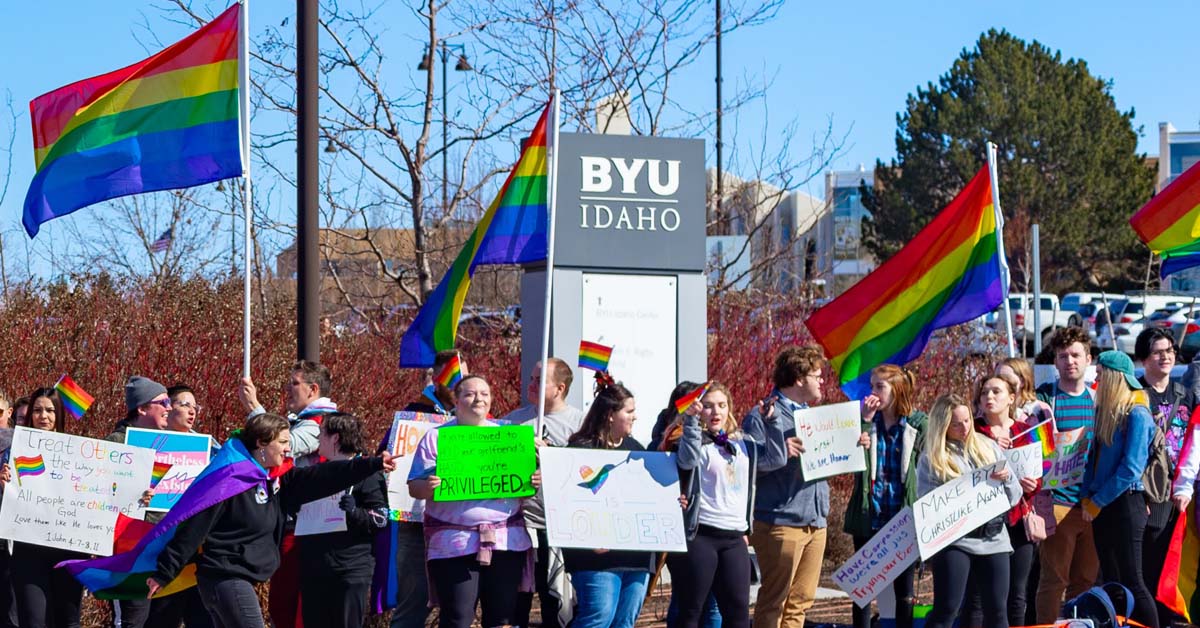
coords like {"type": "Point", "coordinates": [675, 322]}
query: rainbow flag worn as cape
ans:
{"type": "Point", "coordinates": [75, 399]}
{"type": "Point", "coordinates": [1042, 433]}
{"type": "Point", "coordinates": [1177, 583]}
{"type": "Point", "coordinates": [169, 121]}
{"type": "Point", "coordinates": [122, 576]}
{"type": "Point", "coordinates": [687, 400]}
{"type": "Point", "coordinates": [511, 231]}
{"type": "Point", "coordinates": [948, 274]}
{"type": "Point", "coordinates": [594, 356]}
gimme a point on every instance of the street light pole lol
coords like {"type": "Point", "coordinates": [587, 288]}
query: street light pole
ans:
{"type": "Point", "coordinates": [461, 66]}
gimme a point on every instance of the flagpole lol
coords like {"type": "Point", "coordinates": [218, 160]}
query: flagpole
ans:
{"type": "Point", "coordinates": [551, 192]}
{"type": "Point", "coordinates": [247, 201]}
{"type": "Point", "coordinates": [1004, 277]}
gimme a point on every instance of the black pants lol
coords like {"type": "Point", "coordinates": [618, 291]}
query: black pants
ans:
{"type": "Point", "coordinates": [8, 599]}
{"type": "Point", "coordinates": [1155, 544]}
{"type": "Point", "coordinates": [133, 613]}
{"type": "Point", "coordinates": [1020, 565]}
{"type": "Point", "coordinates": [952, 568]}
{"type": "Point", "coordinates": [902, 588]}
{"type": "Point", "coordinates": [333, 602]}
{"type": "Point", "coordinates": [184, 607]}
{"type": "Point", "coordinates": [716, 562]}
{"type": "Point", "coordinates": [1118, 531]}
{"type": "Point", "coordinates": [231, 602]}
{"type": "Point", "coordinates": [46, 597]}
{"type": "Point", "coordinates": [461, 583]}
{"type": "Point", "coordinates": [549, 603]}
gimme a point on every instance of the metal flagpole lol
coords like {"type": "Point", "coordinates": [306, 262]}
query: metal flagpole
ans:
{"type": "Point", "coordinates": [247, 200]}
{"type": "Point", "coordinates": [1004, 277]}
{"type": "Point", "coordinates": [551, 192]}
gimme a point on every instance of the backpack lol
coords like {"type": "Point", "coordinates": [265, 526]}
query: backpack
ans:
{"type": "Point", "coordinates": [1156, 478]}
{"type": "Point", "coordinates": [1097, 605]}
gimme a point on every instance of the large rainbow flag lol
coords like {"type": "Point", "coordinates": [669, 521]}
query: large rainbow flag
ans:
{"type": "Point", "coordinates": [169, 121]}
{"type": "Point", "coordinates": [1172, 218]}
{"type": "Point", "coordinates": [122, 576]}
{"type": "Point", "coordinates": [948, 274]}
{"type": "Point", "coordinates": [511, 231]}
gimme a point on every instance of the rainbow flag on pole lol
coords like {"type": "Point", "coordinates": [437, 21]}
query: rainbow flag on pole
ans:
{"type": "Point", "coordinates": [594, 356]}
{"type": "Point", "coordinates": [687, 400]}
{"type": "Point", "coordinates": [948, 274]}
{"type": "Point", "coordinates": [1041, 433]}
{"type": "Point", "coordinates": [75, 399]}
{"type": "Point", "coordinates": [169, 121]}
{"type": "Point", "coordinates": [28, 466]}
{"type": "Point", "coordinates": [451, 372]}
{"type": "Point", "coordinates": [1170, 223]}
{"type": "Point", "coordinates": [511, 231]}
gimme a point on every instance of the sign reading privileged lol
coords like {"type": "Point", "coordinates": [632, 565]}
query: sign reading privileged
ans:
{"type": "Point", "coordinates": [875, 565]}
{"type": "Point", "coordinates": [830, 435]}
{"type": "Point", "coordinates": [484, 462]}
{"type": "Point", "coordinates": [950, 511]}
{"type": "Point", "coordinates": [66, 491]}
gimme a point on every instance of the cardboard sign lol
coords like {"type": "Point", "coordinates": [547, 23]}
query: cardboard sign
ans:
{"type": "Point", "coordinates": [484, 462]}
{"type": "Point", "coordinates": [188, 454]}
{"type": "Point", "coordinates": [875, 565]}
{"type": "Point", "coordinates": [612, 499]}
{"type": "Point", "coordinates": [1065, 466]}
{"type": "Point", "coordinates": [950, 511]}
{"type": "Point", "coordinates": [66, 491]}
{"type": "Point", "coordinates": [830, 435]}
{"type": "Point", "coordinates": [407, 430]}
{"type": "Point", "coordinates": [1026, 461]}
{"type": "Point", "coordinates": [321, 516]}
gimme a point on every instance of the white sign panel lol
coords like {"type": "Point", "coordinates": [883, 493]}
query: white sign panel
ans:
{"type": "Point", "coordinates": [407, 430]}
{"type": "Point", "coordinates": [830, 436]}
{"type": "Point", "coordinates": [950, 511]}
{"type": "Point", "coordinates": [1026, 461]}
{"type": "Point", "coordinates": [875, 565]}
{"type": "Point", "coordinates": [66, 491]}
{"type": "Point", "coordinates": [612, 499]}
{"type": "Point", "coordinates": [1068, 460]}
{"type": "Point", "coordinates": [321, 516]}
{"type": "Point", "coordinates": [636, 316]}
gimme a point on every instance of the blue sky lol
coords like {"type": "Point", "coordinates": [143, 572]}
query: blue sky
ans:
{"type": "Point", "coordinates": [852, 63]}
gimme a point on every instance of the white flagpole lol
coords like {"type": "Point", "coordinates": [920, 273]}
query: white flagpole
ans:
{"type": "Point", "coordinates": [247, 201]}
{"type": "Point", "coordinates": [551, 192]}
{"type": "Point", "coordinates": [1004, 276]}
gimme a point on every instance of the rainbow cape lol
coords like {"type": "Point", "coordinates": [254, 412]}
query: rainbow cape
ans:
{"type": "Point", "coordinates": [948, 274]}
{"type": "Point", "coordinates": [75, 399]}
{"type": "Point", "coordinates": [1042, 433]}
{"type": "Point", "coordinates": [594, 356]}
{"type": "Point", "coordinates": [451, 372]}
{"type": "Point", "coordinates": [122, 576]}
{"type": "Point", "coordinates": [511, 231]}
{"type": "Point", "coordinates": [169, 121]}
{"type": "Point", "coordinates": [1177, 583]}
{"type": "Point", "coordinates": [687, 400]}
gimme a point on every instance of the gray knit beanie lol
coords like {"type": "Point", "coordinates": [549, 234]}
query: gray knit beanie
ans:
{"type": "Point", "coordinates": [140, 391]}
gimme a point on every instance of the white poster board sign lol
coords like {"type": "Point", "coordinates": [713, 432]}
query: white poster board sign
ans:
{"type": "Point", "coordinates": [1026, 461]}
{"type": "Point", "coordinates": [830, 436]}
{"type": "Point", "coordinates": [875, 565]}
{"type": "Point", "coordinates": [407, 430]}
{"type": "Point", "coordinates": [66, 491]}
{"type": "Point", "coordinates": [1068, 460]}
{"type": "Point", "coordinates": [636, 316]}
{"type": "Point", "coordinates": [321, 516]}
{"type": "Point", "coordinates": [612, 499]}
{"type": "Point", "coordinates": [950, 511]}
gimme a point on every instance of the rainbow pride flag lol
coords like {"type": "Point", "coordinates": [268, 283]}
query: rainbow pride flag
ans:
{"type": "Point", "coordinates": [158, 472]}
{"type": "Point", "coordinates": [451, 372]}
{"type": "Point", "coordinates": [1042, 433]}
{"type": "Point", "coordinates": [1177, 588]}
{"type": "Point", "coordinates": [512, 231]}
{"type": "Point", "coordinates": [75, 399]}
{"type": "Point", "coordinates": [687, 400]}
{"type": "Point", "coordinates": [28, 466]}
{"type": "Point", "coordinates": [1171, 219]}
{"type": "Point", "coordinates": [948, 274]}
{"type": "Point", "coordinates": [169, 121]}
{"type": "Point", "coordinates": [594, 356]}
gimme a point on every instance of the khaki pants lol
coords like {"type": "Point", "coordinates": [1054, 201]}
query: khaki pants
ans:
{"type": "Point", "coordinates": [790, 559]}
{"type": "Point", "coordinates": [1069, 563]}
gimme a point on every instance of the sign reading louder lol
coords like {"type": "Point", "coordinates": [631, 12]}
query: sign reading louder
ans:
{"type": "Point", "coordinates": [485, 462]}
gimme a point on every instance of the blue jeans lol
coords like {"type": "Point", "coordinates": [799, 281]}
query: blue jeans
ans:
{"type": "Point", "coordinates": [412, 590]}
{"type": "Point", "coordinates": [608, 599]}
{"type": "Point", "coordinates": [231, 602]}
{"type": "Point", "coordinates": [710, 617]}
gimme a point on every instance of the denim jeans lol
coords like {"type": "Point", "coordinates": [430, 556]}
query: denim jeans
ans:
{"type": "Point", "coordinates": [412, 590]}
{"type": "Point", "coordinates": [608, 599]}
{"type": "Point", "coordinates": [710, 617]}
{"type": "Point", "coordinates": [231, 602]}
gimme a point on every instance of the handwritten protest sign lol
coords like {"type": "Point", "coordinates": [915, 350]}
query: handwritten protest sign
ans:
{"type": "Point", "coordinates": [875, 565]}
{"type": "Point", "coordinates": [321, 516]}
{"type": "Point", "coordinates": [67, 491]}
{"type": "Point", "coordinates": [1026, 461]}
{"type": "Point", "coordinates": [407, 430]}
{"type": "Point", "coordinates": [830, 434]}
{"type": "Point", "coordinates": [187, 454]}
{"type": "Point", "coordinates": [621, 500]}
{"type": "Point", "coordinates": [1065, 466]}
{"type": "Point", "coordinates": [957, 507]}
{"type": "Point", "coordinates": [484, 462]}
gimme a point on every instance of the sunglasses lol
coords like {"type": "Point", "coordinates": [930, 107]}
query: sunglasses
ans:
{"type": "Point", "coordinates": [166, 403]}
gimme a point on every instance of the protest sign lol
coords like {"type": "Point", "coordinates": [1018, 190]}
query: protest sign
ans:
{"type": "Point", "coordinates": [66, 491]}
{"type": "Point", "coordinates": [948, 512]}
{"type": "Point", "coordinates": [1065, 466]}
{"type": "Point", "coordinates": [830, 435]}
{"type": "Point", "coordinates": [321, 516]}
{"type": "Point", "coordinates": [407, 430]}
{"type": "Point", "coordinates": [484, 462]}
{"type": "Point", "coordinates": [1026, 461]}
{"type": "Point", "coordinates": [612, 499]}
{"type": "Point", "coordinates": [187, 454]}
{"type": "Point", "coordinates": [875, 565]}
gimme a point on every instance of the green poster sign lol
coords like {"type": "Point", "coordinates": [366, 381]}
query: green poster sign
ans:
{"type": "Point", "coordinates": [484, 462]}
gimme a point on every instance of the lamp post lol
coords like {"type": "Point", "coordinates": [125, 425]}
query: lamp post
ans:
{"type": "Point", "coordinates": [461, 66]}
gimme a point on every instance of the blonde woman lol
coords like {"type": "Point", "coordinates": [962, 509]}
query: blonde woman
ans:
{"type": "Point", "coordinates": [1111, 493]}
{"type": "Point", "coordinates": [953, 448]}
{"type": "Point", "coordinates": [1028, 405]}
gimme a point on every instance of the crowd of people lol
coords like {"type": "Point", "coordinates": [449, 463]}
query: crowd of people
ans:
{"type": "Point", "coordinates": [742, 487]}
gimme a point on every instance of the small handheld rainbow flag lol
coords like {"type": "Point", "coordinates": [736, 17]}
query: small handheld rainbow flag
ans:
{"type": "Point", "coordinates": [27, 466]}
{"type": "Point", "coordinates": [594, 356]}
{"type": "Point", "coordinates": [75, 399]}
{"type": "Point", "coordinates": [158, 473]}
{"type": "Point", "coordinates": [687, 400]}
{"type": "Point", "coordinates": [450, 374]}
{"type": "Point", "coordinates": [1041, 433]}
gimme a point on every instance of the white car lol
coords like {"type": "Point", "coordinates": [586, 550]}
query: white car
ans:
{"type": "Point", "coordinates": [1127, 334]}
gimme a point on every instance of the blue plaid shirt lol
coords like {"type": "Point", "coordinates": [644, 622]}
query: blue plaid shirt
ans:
{"type": "Point", "coordinates": [887, 490]}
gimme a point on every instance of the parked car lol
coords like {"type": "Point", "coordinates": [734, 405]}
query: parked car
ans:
{"type": "Point", "coordinates": [1075, 301]}
{"type": "Point", "coordinates": [1053, 317]}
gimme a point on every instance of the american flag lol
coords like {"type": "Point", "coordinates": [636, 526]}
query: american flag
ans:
{"type": "Point", "coordinates": [160, 245]}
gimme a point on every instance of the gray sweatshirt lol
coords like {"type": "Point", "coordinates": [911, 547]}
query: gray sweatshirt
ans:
{"type": "Point", "coordinates": [927, 480]}
{"type": "Point", "coordinates": [782, 496]}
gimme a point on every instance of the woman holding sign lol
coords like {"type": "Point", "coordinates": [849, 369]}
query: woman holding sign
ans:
{"type": "Point", "coordinates": [1111, 493]}
{"type": "Point", "coordinates": [952, 449]}
{"type": "Point", "coordinates": [477, 550]}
